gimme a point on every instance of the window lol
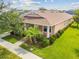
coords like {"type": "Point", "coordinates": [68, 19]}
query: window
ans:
{"type": "Point", "coordinates": [50, 29]}
{"type": "Point", "coordinates": [45, 29]}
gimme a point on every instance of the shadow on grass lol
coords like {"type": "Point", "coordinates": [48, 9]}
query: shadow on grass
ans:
{"type": "Point", "coordinates": [77, 52]}
{"type": "Point", "coordinates": [72, 26]}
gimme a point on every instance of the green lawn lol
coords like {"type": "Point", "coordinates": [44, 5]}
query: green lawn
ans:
{"type": "Point", "coordinates": [66, 47]}
{"type": "Point", "coordinates": [25, 46]}
{"type": "Point", "coordinates": [5, 54]}
{"type": "Point", "coordinates": [11, 39]}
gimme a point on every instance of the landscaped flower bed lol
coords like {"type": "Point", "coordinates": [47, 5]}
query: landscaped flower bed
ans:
{"type": "Point", "coordinates": [65, 47]}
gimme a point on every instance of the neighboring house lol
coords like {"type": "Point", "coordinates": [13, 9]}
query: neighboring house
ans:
{"type": "Point", "coordinates": [48, 22]}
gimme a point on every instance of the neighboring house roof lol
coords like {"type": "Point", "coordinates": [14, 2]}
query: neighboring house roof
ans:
{"type": "Point", "coordinates": [46, 18]}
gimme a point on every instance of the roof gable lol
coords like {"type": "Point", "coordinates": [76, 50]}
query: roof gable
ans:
{"type": "Point", "coordinates": [55, 18]}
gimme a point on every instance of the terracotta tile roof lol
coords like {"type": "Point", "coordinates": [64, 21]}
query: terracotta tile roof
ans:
{"type": "Point", "coordinates": [46, 18]}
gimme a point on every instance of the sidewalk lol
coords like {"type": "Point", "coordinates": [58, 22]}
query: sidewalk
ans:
{"type": "Point", "coordinates": [19, 42]}
{"type": "Point", "coordinates": [5, 34]}
{"type": "Point", "coordinates": [18, 50]}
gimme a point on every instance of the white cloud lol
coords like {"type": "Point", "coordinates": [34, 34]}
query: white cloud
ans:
{"type": "Point", "coordinates": [75, 5]}
{"type": "Point", "coordinates": [48, 0]}
{"type": "Point", "coordinates": [24, 4]}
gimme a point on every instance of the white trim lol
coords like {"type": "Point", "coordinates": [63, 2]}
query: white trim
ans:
{"type": "Point", "coordinates": [48, 31]}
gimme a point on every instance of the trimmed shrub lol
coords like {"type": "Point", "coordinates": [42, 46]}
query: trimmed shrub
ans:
{"type": "Point", "coordinates": [42, 41]}
{"type": "Point", "coordinates": [52, 39]}
{"type": "Point", "coordinates": [61, 31]}
{"type": "Point", "coordinates": [57, 35]}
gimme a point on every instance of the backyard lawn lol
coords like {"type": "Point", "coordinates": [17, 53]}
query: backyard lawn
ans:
{"type": "Point", "coordinates": [5, 54]}
{"type": "Point", "coordinates": [66, 47]}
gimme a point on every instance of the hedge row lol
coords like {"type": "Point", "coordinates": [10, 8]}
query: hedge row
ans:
{"type": "Point", "coordinates": [57, 35]}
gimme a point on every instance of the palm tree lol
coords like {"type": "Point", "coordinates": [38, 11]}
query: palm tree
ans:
{"type": "Point", "coordinates": [31, 33]}
{"type": "Point", "coordinates": [76, 12]}
{"type": "Point", "coordinates": [11, 20]}
{"type": "Point", "coordinates": [76, 17]}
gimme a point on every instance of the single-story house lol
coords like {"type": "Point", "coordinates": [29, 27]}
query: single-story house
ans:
{"type": "Point", "coordinates": [48, 22]}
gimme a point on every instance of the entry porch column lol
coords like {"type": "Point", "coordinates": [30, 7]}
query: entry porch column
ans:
{"type": "Point", "coordinates": [48, 31]}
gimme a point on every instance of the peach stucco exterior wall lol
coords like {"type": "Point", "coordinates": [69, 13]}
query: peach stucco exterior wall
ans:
{"type": "Point", "coordinates": [62, 25]}
{"type": "Point", "coordinates": [55, 28]}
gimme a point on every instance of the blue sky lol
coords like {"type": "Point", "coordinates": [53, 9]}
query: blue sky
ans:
{"type": "Point", "coordinates": [49, 4]}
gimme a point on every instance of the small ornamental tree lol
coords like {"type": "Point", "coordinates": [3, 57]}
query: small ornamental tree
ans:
{"type": "Point", "coordinates": [32, 33]}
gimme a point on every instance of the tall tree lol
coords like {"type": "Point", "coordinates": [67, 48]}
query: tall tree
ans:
{"type": "Point", "coordinates": [76, 16]}
{"type": "Point", "coordinates": [76, 12]}
{"type": "Point", "coordinates": [42, 9]}
{"type": "Point", "coordinates": [3, 5]}
{"type": "Point", "coordinates": [76, 19]}
{"type": "Point", "coordinates": [11, 20]}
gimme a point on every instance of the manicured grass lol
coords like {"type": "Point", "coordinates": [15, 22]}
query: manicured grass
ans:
{"type": "Point", "coordinates": [25, 46]}
{"type": "Point", "coordinates": [11, 39]}
{"type": "Point", "coordinates": [66, 47]}
{"type": "Point", "coordinates": [5, 54]}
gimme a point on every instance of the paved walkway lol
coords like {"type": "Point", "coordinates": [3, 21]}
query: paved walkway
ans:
{"type": "Point", "coordinates": [19, 42]}
{"type": "Point", "coordinates": [18, 50]}
{"type": "Point", "coordinates": [5, 34]}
